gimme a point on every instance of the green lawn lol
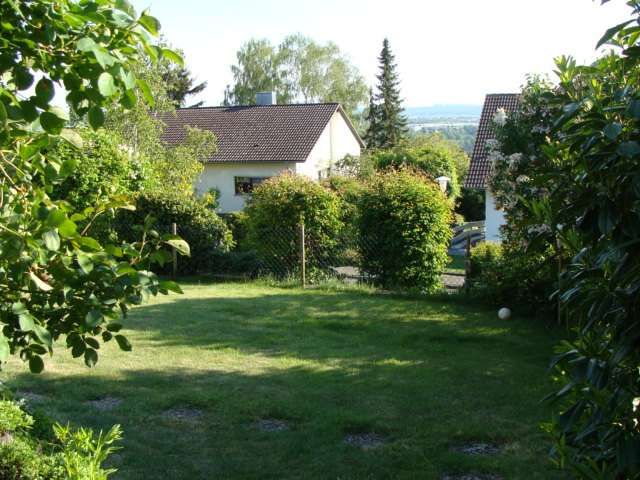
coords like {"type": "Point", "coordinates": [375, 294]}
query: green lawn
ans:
{"type": "Point", "coordinates": [427, 377]}
{"type": "Point", "coordinates": [456, 264]}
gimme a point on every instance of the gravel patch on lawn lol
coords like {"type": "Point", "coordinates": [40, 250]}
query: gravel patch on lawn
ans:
{"type": "Point", "coordinates": [31, 397]}
{"type": "Point", "coordinates": [105, 404]}
{"type": "Point", "coordinates": [272, 425]}
{"type": "Point", "coordinates": [478, 448]}
{"type": "Point", "coordinates": [366, 441]}
{"type": "Point", "coordinates": [472, 476]}
{"type": "Point", "coordinates": [183, 414]}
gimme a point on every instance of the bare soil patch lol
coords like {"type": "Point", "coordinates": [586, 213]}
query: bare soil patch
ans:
{"type": "Point", "coordinates": [183, 414]}
{"type": "Point", "coordinates": [105, 404]}
{"type": "Point", "coordinates": [366, 441]}
{"type": "Point", "coordinates": [272, 425]}
{"type": "Point", "coordinates": [478, 448]}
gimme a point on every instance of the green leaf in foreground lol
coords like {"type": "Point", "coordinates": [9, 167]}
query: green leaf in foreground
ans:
{"type": "Point", "coordinates": [36, 364]}
{"type": "Point", "coordinates": [180, 245]}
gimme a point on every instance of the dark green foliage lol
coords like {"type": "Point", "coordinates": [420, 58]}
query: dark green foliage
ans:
{"type": "Point", "coordinates": [404, 225]}
{"type": "Point", "coordinates": [471, 204]}
{"type": "Point", "coordinates": [237, 224]}
{"type": "Point", "coordinates": [37, 449]}
{"type": "Point", "coordinates": [56, 279]}
{"type": "Point", "coordinates": [180, 85]}
{"type": "Point", "coordinates": [103, 169]}
{"type": "Point", "coordinates": [274, 213]}
{"type": "Point", "coordinates": [502, 278]}
{"type": "Point", "coordinates": [373, 135]}
{"type": "Point", "coordinates": [205, 232]}
{"type": "Point", "coordinates": [387, 123]}
{"type": "Point", "coordinates": [581, 198]}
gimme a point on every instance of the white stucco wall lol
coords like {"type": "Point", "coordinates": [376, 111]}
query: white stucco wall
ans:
{"type": "Point", "coordinates": [221, 176]}
{"type": "Point", "coordinates": [336, 141]}
{"type": "Point", "coordinates": [494, 218]}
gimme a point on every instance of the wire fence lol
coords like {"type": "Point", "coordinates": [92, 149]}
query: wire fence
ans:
{"type": "Point", "coordinates": [306, 257]}
{"type": "Point", "coordinates": [293, 253]}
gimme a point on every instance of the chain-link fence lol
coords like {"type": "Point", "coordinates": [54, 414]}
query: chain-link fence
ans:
{"type": "Point", "coordinates": [306, 257]}
{"type": "Point", "coordinates": [293, 253]}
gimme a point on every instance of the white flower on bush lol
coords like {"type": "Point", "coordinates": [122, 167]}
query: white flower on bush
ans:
{"type": "Point", "coordinates": [492, 144]}
{"type": "Point", "coordinates": [537, 229]}
{"type": "Point", "coordinates": [522, 179]}
{"type": "Point", "coordinates": [500, 117]}
{"type": "Point", "coordinates": [514, 159]}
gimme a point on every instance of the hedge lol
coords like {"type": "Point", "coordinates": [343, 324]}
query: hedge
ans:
{"type": "Point", "coordinates": [404, 230]}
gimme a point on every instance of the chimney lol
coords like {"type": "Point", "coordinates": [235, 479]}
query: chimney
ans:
{"type": "Point", "coordinates": [266, 98]}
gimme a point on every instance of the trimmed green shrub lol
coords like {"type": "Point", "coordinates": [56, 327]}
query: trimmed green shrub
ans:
{"type": "Point", "coordinates": [274, 213]}
{"type": "Point", "coordinates": [432, 158]}
{"type": "Point", "coordinates": [405, 229]}
{"type": "Point", "coordinates": [485, 258]}
{"type": "Point", "coordinates": [205, 232]}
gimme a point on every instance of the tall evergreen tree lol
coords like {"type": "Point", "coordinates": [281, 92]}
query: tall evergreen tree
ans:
{"type": "Point", "coordinates": [389, 121]}
{"type": "Point", "coordinates": [372, 135]}
{"type": "Point", "coordinates": [180, 84]}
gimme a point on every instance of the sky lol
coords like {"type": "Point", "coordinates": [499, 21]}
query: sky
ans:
{"type": "Point", "coordinates": [447, 51]}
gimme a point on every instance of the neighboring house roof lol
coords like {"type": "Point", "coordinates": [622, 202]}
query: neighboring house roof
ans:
{"type": "Point", "coordinates": [480, 168]}
{"type": "Point", "coordinates": [257, 133]}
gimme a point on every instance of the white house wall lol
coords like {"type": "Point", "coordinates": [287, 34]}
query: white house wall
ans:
{"type": "Point", "coordinates": [221, 176]}
{"type": "Point", "coordinates": [336, 141]}
{"type": "Point", "coordinates": [494, 219]}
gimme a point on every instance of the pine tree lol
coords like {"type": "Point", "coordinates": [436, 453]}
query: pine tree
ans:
{"type": "Point", "coordinates": [389, 119]}
{"type": "Point", "coordinates": [372, 135]}
{"type": "Point", "coordinates": [180, 84]}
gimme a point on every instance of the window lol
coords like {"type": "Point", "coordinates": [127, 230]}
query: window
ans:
{"type": "Point", "coordinates": [246, 185]}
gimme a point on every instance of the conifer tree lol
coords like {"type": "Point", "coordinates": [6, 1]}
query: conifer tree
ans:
{"type": "Point", "coordinates": [372, 135]}
{"type": "Point", "coordinates": [389, 121]}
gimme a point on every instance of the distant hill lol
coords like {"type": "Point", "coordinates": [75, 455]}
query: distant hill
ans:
{"type": "Point", "coordinates": [456, 113]}
{"type": "Point", "coordinates": [458, 123]}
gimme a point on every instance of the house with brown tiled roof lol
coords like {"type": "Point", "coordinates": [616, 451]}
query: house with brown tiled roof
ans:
{"type": "Point", "coordinates": [480, 167]}
{"type": "Point", "coordinates": [256, 142]}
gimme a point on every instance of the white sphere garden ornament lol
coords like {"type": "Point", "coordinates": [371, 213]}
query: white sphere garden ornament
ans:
{"type": "Point", "coordinates": [504, 313]}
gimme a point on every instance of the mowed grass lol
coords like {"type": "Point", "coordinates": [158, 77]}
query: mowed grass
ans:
{"type": "Point", "coordinates": [426, 376]}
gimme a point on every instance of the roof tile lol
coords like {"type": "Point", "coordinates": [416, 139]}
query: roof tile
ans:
{"type": "Point", "coordinates": [257, 133]}
{"type": "Point", "coordinates": [480, 168]}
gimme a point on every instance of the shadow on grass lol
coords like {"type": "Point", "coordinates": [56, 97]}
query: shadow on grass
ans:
{"type": "Point", "coordinates": [421, 408]}
{"type": "Point", "coordinates": [425, 375]}
{"type": "Point", "coordinates": [338, 325]}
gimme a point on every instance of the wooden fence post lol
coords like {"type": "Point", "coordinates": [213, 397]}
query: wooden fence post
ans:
{"type": "Point", "coordinates": [467, 261]}
{"type": "Point", "coordinates": [174, 252]}
{"type": "Point", "coordinates": [303, 256]}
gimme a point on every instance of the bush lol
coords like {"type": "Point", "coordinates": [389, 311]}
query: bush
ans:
{"type": "Point", "coordinates": [434, 159]}
{"type": "Point", "coordinates": [501, 277]}
{"type": "Point", "coordinates": [404, 226]}
{"type": "Point", "coordinates": [274, 213]}
{"type": "Point", "coordinates": [471, 204]}
{"type": "Point", "coordinates": [237, 225]}
{"type": "Point", "coordinates": [205, 232]}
